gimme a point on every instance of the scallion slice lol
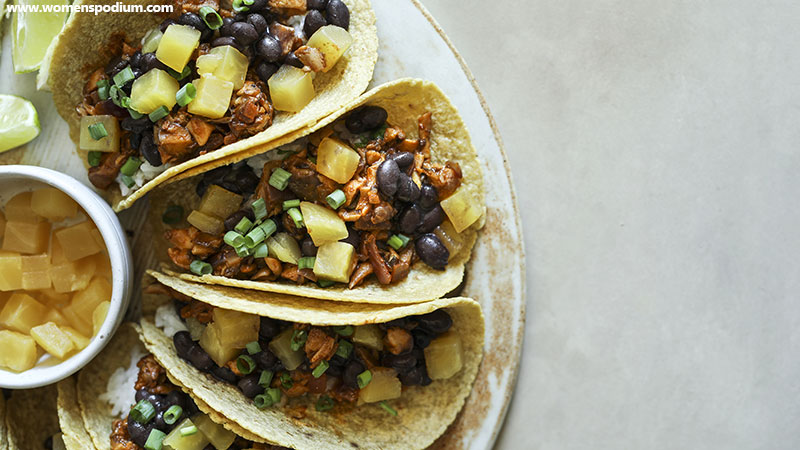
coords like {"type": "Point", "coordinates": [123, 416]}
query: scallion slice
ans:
{"type": "Point", "coordinates": [183, 74]}
{"type": "Point", "coordinates": [266, 378]}
{"type": "Point", "coordinates": [279, 179]}
{"type": "Point", "coordinates": [158, 114]}
{"type": "Point", "coordinates": [299, 338]}
{"type": "Point", "coordinates": [127, 179]}
{"type": "Point", "coordinates": [135, 114]}
{"type": "Point", "coordinates": [306, 262]}
{"type": "Point", "coordinates": [262, 401]}
{"type": "Point", "coordinates": [172, 414]}
{"type": "Point", "coordinates": [254, 237]}
{"type": "Point", "coordinates": [261, 250]}
{"type": "Point", "coordinates": [364, 378]}
{"type": "Point", "coordinates": [103, 92]}
{"type": "Point", "coordinates": [253, 347]}
{"type": "Point", "coordinates": [242, 251]}
{"type": "Point", "coordinates": [325, 283]}
{"type": "Point", "coordinates": [154, 440]}
{"type": "Point", "coordinates": [211, 17]}
{"type": "Point", "coordinates": [201, 268]}
{"type": "Point", "coordinates": [289, 204]}
{"type": "Point", "coordinates": [325, 403]}
{"type": "Point", "coordinates": [172, 215]}
{"type": "Point", "coordinates": [286, 380]}
{"type": "Point", "coordinates": [97, 131]}
{"type": "Point", "coordinates": [275, 393]}
{"type": "Point", "coordinates": [268, 227]}
{"type": "Point", "coordinates": [388, 408]}
{"type": "Point", "coordinates": [320, 369]}
{"type": "Point", "coordinates": [186, 94]}
{"type": "Point", "coordinates": [124, 77]}
{"type": "Point", "coordinates": [234, 239]}
{"type": "Point", "coordinates": [93, 158]}
{"type": "Point", "coordinates": [344, 331]}
{"type": "Point", "coordinates": [398, 241]}
{"type": "Point", "coordinates": [259, 208]}
{"type": "Point", "coordinates": [344, 349]}
{"type": "Point", "coordinates": [103, 84]}
{"type": "Point", "coordinates": [131, 166]}
{"type": "Point", "coordinates": [336, 199]}
{"type": "Point", "coordinates": [245, 364]}
{"type": "Point", "coordinates": [243, 226]}
{"type": "Point", "coordinates": [188, 431]}
{"type": "Point", "coordinates": [241, 5]}
{"type": "Point", "coordinates": [143, 412]}
{"type": "Point", "coordinates": [297, 217]}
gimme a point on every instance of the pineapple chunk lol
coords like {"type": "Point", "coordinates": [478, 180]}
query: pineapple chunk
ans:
{"type": "Point", "coordinates": [225, 63]}
{"type": "Point", "coordinates": [19, 351]}
{"type": "Point", "coordinates": [55, 316]}
{"type": "Point", "coordinates": [177, 45]}
{"type": "Point", "coordinates": [332, 41]}
{"type": "Point", "coordinates": [151, 40]}
{"type": "Point", "coordinates": [323, 224]}
{"type": "Point", "coordinates": [98, 237]}
{"type": "Point", "coordinates": [284, 247]}
{"type": "Point", "coordinates": [335, 261]}
{"type": "Point", "coordinates": [451, 239]}
{"type": "Point", "coordinates": [53, 204]}
{"type": "Point", "coordinates": [219, 202]}
{"type": "Point", "coordinates": [77, 241]}
{"type": "Point", "coordinates": [175, 441]}
{"type": "Point", "coordinates": [80, 324]}
{"type": "Point", "coordinates": [213, 97]}
{"type": "Point", "coordinates": [210, 342]}
{"type": "Point", "coordinates": [102, 266]}
{"type": "Point", "coordinates": [99, 316]}
{"type": "Point", "coordinates": [56, 253]}
{"type": "Point", "coordinates": [53, 299]}
{"type": "Point", "coordinates": [84, 302]}
{"type": "Point", "coordinates": [369, 336]}
{"type": "Point", "coordinates": [281, 346]}
{"type": "Point", "coordinates": [153, 90]}
{"type": "Point", "coordinates": [108, 143]}
{"type": "Point", "coordinates": [336, 160]}
{"type": "Point", "coordinates": [384, 386]}
{"type": "Point", "coordinates": [18, 209]}
{"type": "Point", "coordinates": [219, 437]}
{"type": "Point", "coordinates": [36, 272]}
{"type": "Point", "coordinates": [208, 64]}
{"type": "Point", "coordinates": [27, 237]}
{"type": "Point", "coordinates": [461, 209]}
{"type": "Point", "coordinates": [52, 339]}
{"type": "Point", "coordinates": [291, 89]}
{"type": "Point", "coordinates": [10, 271]}
{"type": "Point", "coordinates": [80, 341]}
{"type": "Point", "coordinates": [443, 357]}
{"type": "Point", "coordinates": [236, 329]}
{"type": "Point", "coordinates": [22, 312]}
{"type": "Point", "coordinates": [205, 223]}
{"type": "Point", "coordinates": [72, 276]}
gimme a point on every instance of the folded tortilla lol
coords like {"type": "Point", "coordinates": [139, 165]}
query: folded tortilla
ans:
{"type": "Point", "coordinates": [424, 413]}
{"type": "Point", "coordinates": [73, 432]}
{"type": "Point", "coordinates": [405, 100]}
{"type": "Point", "coordinates": [77, 52]}
{"type": "Point", "coordinates": [30, 418]}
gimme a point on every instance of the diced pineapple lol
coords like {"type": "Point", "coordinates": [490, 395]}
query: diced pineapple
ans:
{"type": "Point", "coordinates": [176, 441]}
{"type": "Point", "coordinates": [103, 266]}
{"type": "Point", "coordinates": [225, 63]}
{"type": "Point", "coordinates": [443, 356]}
{"type": "Point", "coordinates": [284, 247]}
{"type": "Point", "coordinates": [219, 437]}
{"type": "Point", "coordinates": [236, 329]}
{"type": "Point", "coordinates": [206, 223]}
{"type": "Point", "coordinates": [336, 160]}
{"type": "Point", "coordinates": [56, 253]}
{"type": "Point", "coordinates": [291, 89]}
{"type": "Point", "coordinates": [208, 64]}
{"type": "Point", "coordinates": [10, 271]}
{"type": "Point", "coordinates": [451, 239]}
{"type": "Point", "coordinates": [369, 336]}
{"type": "Point", "coordinates": [27, 237]}
{"type": "Point", "coordinates": [77, 241]}
{"type": "Point", "coordinates": [99, 316]}
{"type": "Point", "coordinates": [151, 40]}
{"type": "Point", "coordinates": [83, 325]}
{"type": "Point", "coordinates": [36, 272]}
{"type": "Point", "coordinates": [22, 312]}
{"type": "Point", "coordinates": [53, 204]}
{"type": "Point", "coordinates": [213, 97]}
{"type": "Point", "coordinates": [461, 209]}
{"type": "Point", "coordinates": [384, 386]}
{"type": "Point", "coordinates": [332, 41]}
{"type": "Point", "coordinates": [210, 342]}
{"type": "Point", "coordinates": [219, 202]}
{"type": "Point", "coordinates": [323, 224]}
{"type": "Point", "coordinates": [18, 209]}
{"type": "Point", "coordinates": [72, 276]}
{"type": "Point", "coordinates": [19, 351]}
{"type": "Point", "coordinates": [52, 339]}
{"type": "Point", "coordinates": [84, 302]}
{"type": "Point", "coordinates": [109, 143]}
{"type": "Point", "coordinates": [334, 261]}
{"type": "Point", "coordinates": [80, 341]}
{"type": "Point", "coordinates": [98, 237]}
{"type": "Point", "coordinates": [177, 45]}
{"type": "Point", "coordinates": [281, 346]}
{"type": "Point", "coordinates": [153, 90]}
{"type": "Point", "coordinates": [53, 299]}
{"type": "Point", "coordinates": [55, 316]}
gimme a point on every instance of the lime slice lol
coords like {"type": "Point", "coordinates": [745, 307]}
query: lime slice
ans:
{"type": "Point", "coordinates": [19, 122]}
{"type": "Point", "coordinates": [33, 32]}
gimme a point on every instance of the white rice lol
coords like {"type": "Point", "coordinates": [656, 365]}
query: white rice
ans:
{"type": "Point", "coordinates": [119, 390]}
{"type": "Point", "coordinates": [145, 173]}
{"type": "Point", "coordinates": [167, 320]}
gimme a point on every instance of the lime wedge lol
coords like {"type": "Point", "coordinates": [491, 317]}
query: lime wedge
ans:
{"type": "Point", "coordinates": [19, 122]}
{"type": "Point", "coordinates": [33, 32]}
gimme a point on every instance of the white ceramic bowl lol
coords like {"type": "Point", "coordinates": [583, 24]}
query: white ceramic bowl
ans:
{"type": "Point", "coordinates": [15, 179]}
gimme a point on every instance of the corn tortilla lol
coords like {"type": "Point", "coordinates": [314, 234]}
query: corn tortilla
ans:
{"type": "Point", "coordinates": [73, 431]}
{"type": "Point", "coordinates": [31, 417]}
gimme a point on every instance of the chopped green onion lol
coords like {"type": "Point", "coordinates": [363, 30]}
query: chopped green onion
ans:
{"type": "Point", "coordinates": [143, 412]}
{"type": "Point", "coordinates": [188, 431]}
{"type": "Point", "coordinates": [289, 204]}
{"type": "Point", "coordinates": [345, 347]}
{"type": "Point", "coordinates": [127, 180]}
{"type": "Point", "coordinates": [172, 414]}
{"type": "Point", "coordinates": [245, 364]}
{"type": "Point", "coordinates": [154, 440]}
{"type": "Point", "coordinates": [344, 331]}
{"type": "Point", "coordinates": [266, 378]}
{"type": "Point", "coordinates": [243, 226]}
{"type": "Point", "coordinates": [279, 179]}
{"type": "Point", "coordinates": [131, 166]}
{"type": "Point", "coordinates": [268, 227]}
{"type": "Point", "coordinates": [364, 379]}
{"type": "Point", "coordinates": [255, 237]}
{"type": "Point", "coordinates": [325, 283]}
{"type": "Point", "coordinates": [320, 369]}
{"type": "Point", "coordinates": [93, 158]}
{"type": "Point", "coordinates": [186, 94]}
{"type": "Point", "coordinates": [261, 250]}
{"type": "Point", "coordinates": [253, 347]}
{"type": "Point", "coordinates": [286, 380]}
{"type": "Point", "coordinates": [211, 17]}
{"type": "Point", "coordinates": [125, 102]}
{"type": "Point", "coordinates": [233, 239]}
{"type": "Point", "coordinates": [135, 114]}
{"type": "Point", "coordinates": [172, 215]}
{"type": "Point", "coordinates": [336, 199]}
{"type": "Point", "coordinates": [299, 338]}
{"type": "Point", "coordinates": [241, 5]}
{"type": "Point", "coordinates": [388, 408]}
{"type": "Point", "coordinates": [306, 262]}
{"type": "Point", "coordinates": [398, 241]}
{"type": "Point", "coordinates": [103, 84]}
{"type": "Point", "coordinates": [297, 217]}
{"type": "Point", "coordinates": [242, 251]}
{"type": "Point", "coordinates": [102, 92]}
{"type": "Point", "coordinates": [275, 393]}
{"type": "Point", "coordinates": [262, 401]}
{"type": "Point", "coordinates": [201, 268]}
{"type": "Point", "coordinates": [179, 76]}
{"type": "Point", "coordinates": [259, 208]}
{"type": "Point", "coordinates": [97, 131]}
{"type": "Point", "coordinates": [158, 114]}
{"type": "Point", "coordinates": [124, 77]}
{"type": "Point", "coordinates": [114, 92]}
{"type": "Point", "coordinates": [325, 403]}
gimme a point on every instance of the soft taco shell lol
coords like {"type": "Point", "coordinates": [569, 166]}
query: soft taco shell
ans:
{"type": "Point", "coordinates": [405, 100]}
{"type": "Point", "coordinates": [31, 418]}
{"type": "Point", "coordinates": [424, 413]}
{"type": "Point", "coordinates": [79, 50]}
{"type": "Point", "coordinates": [73, 431]}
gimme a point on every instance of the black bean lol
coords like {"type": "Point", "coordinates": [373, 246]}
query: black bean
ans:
{"type": "Point", "coordinates": [318, 5]}
{"type": "Point", "coordinates": [265, 359]}
{"type": "Point", "coordinates": [410, 220]}
{"type": "Point", "coordinates": [407, 190]}
{"type": "Point", "coordinates": [206, 35]}
{"type": "Point", "coordinates": [136, 61]}
{"type": "Point", "coordinates": [401, 362]}
{"type": "Point", "coordinates": [233, 220]}
{"type": "Point", "coordinates": [165, 24]}
{"type": "Point", "coordinates": [269, 48]}
{"type": "Point", "coordinates": [115, 66]}
{"type": "Point", "coordinates": [436, 322]}
{"type": "Point", "coordinates": [200, 359]}
{"type": "Point", "coordinates": [158, 422]}
{"type": "Point", "coordinates": [225, 29]}
{"type": "Point", "coordinates": [191, 407]}
{"type": "Point", "coordinates": [135, 140]}
{"type": "Point", "coordinates": [244, 33]}
{"type": "Point", "coordinates": [249, 385]}
{"type": "Point", "coordinates": [156, 400]}
{"type": "Point", "coordinates": [193, 20]}
{"type": "Point", "coordinates": [223, 373]}
{"type": "Point", "coordinates": [150, 62]}
{"type": "Point", "coordinates": [373, 117]}
{"type": "Point", "coordinates": [388, 175]}
{"type": "Point", "coordinates": [268, 328]}
{"type": "Point", "coordinates": [403, 159]}
{"type": "Point", "coordinates": [292, 60]}
{"type": "Point", "coordinates": [334, 371]}
{"type": "Point", "coordinates": [149, 149]}
{"type": "Point", "coordinates": [247, 180]}
{"type": "Point", "coordinates": [241, 17]}
{"type": "Point", "coordinates": [313, 21]}
{"type": "Point", "coordinates": [431, 251]}
{"type": "Point", "coordinates": [428, 196]}
{"type": "Point", "coordinates": [139, 432]}
{"type": "Point", "coordinates": [402, 322]}
{"type": "Point", "coordinates": [353, 237]}
{"type": "Point", "coordinates": [136, 125]}
{"type": "Point", "coordinates": [421, 338]}
{"type": "Point", "coordinates": [258, 22]}
{"type": "Point", "coordinates": [338, 14]}
{"type": "Point", "coordinates": [183, 343]}
{"type": "Point", "coordinates": [412, 377]}
{"type": "Point", "coordinates": [308, 248]}
{"type": "Point", "coordinates": [257, 5]}
{"type": "Point", "coordinates": [351, 372]}
{"type": "Point", "coordinates": [141, 394]}
{"type": "Point", "coordinates": [225, 40]}
{"type": "Point", "coordinates": [432, 219]}
{"type": "Point", "coordinates": [177, 397]}
{"type": "Point", "coordinates": [265, 70]}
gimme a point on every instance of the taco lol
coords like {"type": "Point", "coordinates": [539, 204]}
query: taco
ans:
{"type": "Point", "coordinates": [379, 203]}
{"type": "Point", "coordinates": [150, 95]}
{"type": "Point", "coordinates": [31, 421]}
{"type": "Point", "coordinates": [311, 374]}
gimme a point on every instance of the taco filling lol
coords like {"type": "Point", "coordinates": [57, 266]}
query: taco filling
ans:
{"type": "Point", "coordinates": [355, 200]}
{"type": "Point", "coordinates": [207, 77]}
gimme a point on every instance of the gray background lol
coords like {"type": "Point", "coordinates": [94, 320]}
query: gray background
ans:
{"type": "Point", "coordinates": [654, 146]}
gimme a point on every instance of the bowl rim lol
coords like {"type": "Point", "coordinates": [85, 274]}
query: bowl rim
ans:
{"type": "Point", "coordinates": [121, 261]}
